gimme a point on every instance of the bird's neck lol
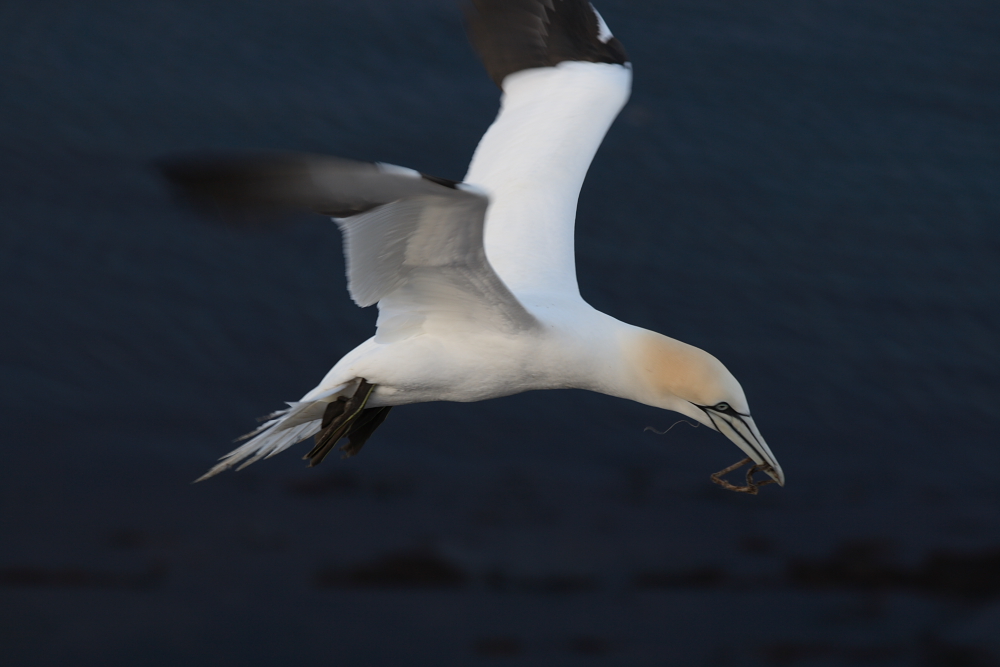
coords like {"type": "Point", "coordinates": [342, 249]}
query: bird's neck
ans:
{"type": "Point", "coordinates": [656, 370]}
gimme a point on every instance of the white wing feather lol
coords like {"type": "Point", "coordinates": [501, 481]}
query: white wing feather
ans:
{"type": "Point", "coordinates": [422, 259]}
{"type": "Point", "coordinates": [532, 162]}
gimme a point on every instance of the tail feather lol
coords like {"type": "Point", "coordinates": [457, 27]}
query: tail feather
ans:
{"type": "Point", "coordinates": [285, 439]}
{"type": "Point", "coordinates": [268, 421]}
{"type": "Point", "coordinates": [297, 412]}
{"type": "Point", "coordinates": [282, 429]}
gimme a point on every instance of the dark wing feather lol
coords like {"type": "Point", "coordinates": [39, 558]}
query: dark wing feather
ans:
{"type": "Point", "coordinates": [250, 186]}
{"type": "Point", "coordinates": [513, 35]}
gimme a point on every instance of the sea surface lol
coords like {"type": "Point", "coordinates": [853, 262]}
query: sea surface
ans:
{"type": "Point", "coordinates": [808, 189]}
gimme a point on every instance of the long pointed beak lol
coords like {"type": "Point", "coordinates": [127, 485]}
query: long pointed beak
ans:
{"type": "Point", "coordinates": [744, 434]}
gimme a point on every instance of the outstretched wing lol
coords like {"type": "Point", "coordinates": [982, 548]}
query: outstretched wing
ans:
{"type": "Point", "coordinates": [414, 243]}
{"type": "Point", "coordinates": [564, 79]}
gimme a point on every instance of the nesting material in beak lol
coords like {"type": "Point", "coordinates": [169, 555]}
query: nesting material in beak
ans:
{"type": "Point", "coordinates": [751, 486]}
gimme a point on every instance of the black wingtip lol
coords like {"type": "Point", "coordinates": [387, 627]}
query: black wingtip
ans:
{"type": "Point", "coordinates": [249, 189]}
{"type": "Point", "coordinates": [513, 35]}
{"type": "Point", "coordinates": [240, 190]}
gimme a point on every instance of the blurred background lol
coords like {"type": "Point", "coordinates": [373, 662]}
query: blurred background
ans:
{"type": "Point", "coordinates": [808, 189]}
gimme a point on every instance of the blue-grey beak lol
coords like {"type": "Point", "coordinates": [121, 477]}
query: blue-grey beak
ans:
{"type": "Point", "coordinates": [741, 429]}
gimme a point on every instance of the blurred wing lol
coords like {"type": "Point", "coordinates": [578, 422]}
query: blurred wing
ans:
{"type": "Point", "coordinates": [294, 181]}
{"type": "Point", "coordinates": [413, 243]}
{"type": "Point", "coordinates": [422, 259]}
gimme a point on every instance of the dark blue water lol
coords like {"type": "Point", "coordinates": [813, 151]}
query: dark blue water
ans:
{"type": "Point", "coordinates": [808, 190]}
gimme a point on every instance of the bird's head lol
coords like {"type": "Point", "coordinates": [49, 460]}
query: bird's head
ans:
{"type": "Point", "coordinates": [685, 379]}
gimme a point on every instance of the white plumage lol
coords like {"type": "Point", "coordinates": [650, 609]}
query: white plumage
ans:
{"type": "Point", "coordinates": [476, 282]}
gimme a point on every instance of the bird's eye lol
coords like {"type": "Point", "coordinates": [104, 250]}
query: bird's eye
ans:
{"type": "Point", "coordinates": [722, 407]}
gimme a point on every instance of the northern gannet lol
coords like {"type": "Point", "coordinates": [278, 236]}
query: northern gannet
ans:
{"type": "Point", "coordinates": [475, 281]}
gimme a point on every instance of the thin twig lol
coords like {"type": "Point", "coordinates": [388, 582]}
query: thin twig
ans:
{"type": "Point", "coordinates": [751, 486]}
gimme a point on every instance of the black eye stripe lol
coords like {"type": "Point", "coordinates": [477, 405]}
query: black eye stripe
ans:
{"type": "Point", "coordinates": [728, 411]}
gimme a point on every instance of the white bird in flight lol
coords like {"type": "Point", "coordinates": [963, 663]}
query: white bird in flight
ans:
{"type": "Point", "coordinates": [476, 281]}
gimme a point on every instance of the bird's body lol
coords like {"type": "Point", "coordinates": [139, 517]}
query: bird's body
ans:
{"type": "Point", "coordinates": [531, 163]}
{"type": "Point", "coordinates": [476, 281]}
{"type": "Point", "coordinates": [465, 367]}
